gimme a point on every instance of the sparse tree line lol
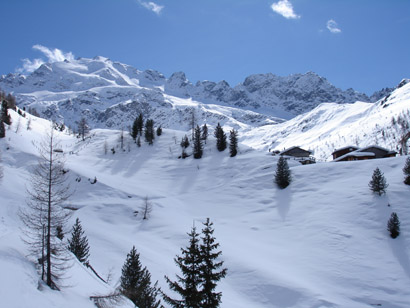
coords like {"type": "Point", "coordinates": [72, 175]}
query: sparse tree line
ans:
{"type": "Point", "coordinates": [200, 137]}
{"type": "Point", "coordinates": [377, 184]}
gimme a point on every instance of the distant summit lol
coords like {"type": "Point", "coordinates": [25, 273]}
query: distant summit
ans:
{"type": "Point", "coordinates": [101, 89]}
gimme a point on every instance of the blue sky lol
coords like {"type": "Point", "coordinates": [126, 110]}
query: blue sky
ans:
{"type": "Point", "coordinates": [363, 44]}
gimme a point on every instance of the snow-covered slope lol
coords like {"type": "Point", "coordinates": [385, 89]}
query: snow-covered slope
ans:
{"type": "Point", "coordinates": [110, 94]}
{"type": "Point", "coordinates": [320, 243]}
{"type": "Point", "coordinates": [332, 126]}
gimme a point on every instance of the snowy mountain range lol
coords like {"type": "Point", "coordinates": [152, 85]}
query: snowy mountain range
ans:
{"type": "Point", "coordinates": [110, 95]}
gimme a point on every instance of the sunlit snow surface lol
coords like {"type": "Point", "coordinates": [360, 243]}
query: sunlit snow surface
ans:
{"type": "Point", "coordinates": [320, 243]}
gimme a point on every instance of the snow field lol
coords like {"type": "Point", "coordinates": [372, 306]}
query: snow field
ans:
{"type": "Point", "coordinates": [320, 243]}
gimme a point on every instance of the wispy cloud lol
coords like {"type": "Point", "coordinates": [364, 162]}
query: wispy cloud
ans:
{"type": "Point", "coordinates": [333, 27]}
{"type": "Point", "coordinates": [152, 6]}
{"type": "Point", "coordinates": [285, 8]}
{"type": "Point", "coordinates": [52, 55]}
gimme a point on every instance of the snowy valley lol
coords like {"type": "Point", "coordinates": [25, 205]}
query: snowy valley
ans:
{"type": "Point", "coordinates": [320, 243]}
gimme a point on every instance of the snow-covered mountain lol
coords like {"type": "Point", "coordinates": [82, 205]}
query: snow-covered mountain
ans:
{"type": "Point", "coordinates": [110, 94]}
{"type": "Point", "coordinates": [331, 126]}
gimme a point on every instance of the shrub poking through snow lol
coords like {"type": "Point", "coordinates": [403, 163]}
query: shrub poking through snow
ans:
{"type": "Point", "coordinates": [378, 182]}
{"type": "Point", "coordinates": [393, 225]}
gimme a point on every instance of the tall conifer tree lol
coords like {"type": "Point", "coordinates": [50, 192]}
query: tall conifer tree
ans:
{"type": "Point", "coordinates": [282, 175]}
{"type": "Point", "coordinates": [149, 131]}
{"type": "Point", "coordinates": [198, 148]}
{"type": "Point", "coordinates": [211, 270]}
{"type": "Point", "coordinates": [188, 286]}
{"type": "Point", "coordinates": [134, 129]}
{"type": "Point", "coordinates": [140, 123]}
{"type": "Point", "coordinates": [135, 282]}
{"type": "Point", "coordinates": [220, 138]}
{"type": "Point", "coordinates": [204, 133]}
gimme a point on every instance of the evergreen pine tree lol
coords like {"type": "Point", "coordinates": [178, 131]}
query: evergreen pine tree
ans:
{"type": "Point", "coordinates": [5, 117]}
{"type": "Point", "coordinates": [233, 143]}
{"type": "Point", "coordinates": [135, 282]}
{"type": "Point", "coordinates": [2, 129]}
{"type": "Point", "coordinates": [149, 131]}
{"type": "Point", "coordinates": [140, 123]}
{"type": "Point", "coordinates": [159, 131]}
{"type": "Point", "coordinates": [282, 175]}
{"type": "Point", "coordinates": [204, 133]}
{"type": "Point", "coordinates": [198, 148]}
{"type": "Point", "coordinates": [134, 129]}
{"type": "Point", "coordinates": [393, 225]}
{"type": "Point", "coordinates": [211, 269]}
{"type": "Point", "coordinates": [188, 286]}
{"type": "Point", "coordinates": [220, 138]}
{"type": "Point", "coordinates": [78, 244]}
{"type": "Point", "coordinates": [406, 171]}
{"type": "Point", "coordinates": [378, 182]}
{"type": "Point", "coordinates": [184, 144]}
{"type": "Point", "coordinates": [60, 232]}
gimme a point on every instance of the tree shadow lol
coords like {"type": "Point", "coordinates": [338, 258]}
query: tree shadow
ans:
{"type": "Point", "coordinates": [283, 198]}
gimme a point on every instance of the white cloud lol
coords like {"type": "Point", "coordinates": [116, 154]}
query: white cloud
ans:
{"type": "Point", "coordinates": [284, 8]}
{"type": "Point", "coordinates": [52, 55]}
{"type": "Point", "coordinates": [152, 6]}
{"type": "Point", "coordinates": [333, 27]}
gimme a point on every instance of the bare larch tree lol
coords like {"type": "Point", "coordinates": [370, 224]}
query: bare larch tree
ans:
{"type": "Point", "coordinates": [45, 213]}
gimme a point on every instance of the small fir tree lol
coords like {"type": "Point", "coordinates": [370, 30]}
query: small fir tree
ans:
{"type": "Point", "coordinates": [5, 117]}
{"type": "Point", "coordinates": [185, 142]}
{"type": "Point", "coordinates": [211, 270]}
{"type": "Point", "coordinates": [138, 141]}
{"type": "Point", "coordinates": [135, 129]}
{"type": "Point", "coordinates": [233, 143]}
{"type": "Point", "coordinates": [2, 129]}
{"type": "Point", "coordinates": [184, 145]}
{"type": "Point", "coordinates": [393, 225]}
{"type": "Point", "coordinates": [220, 138]}
{"type": "Point", "coordinates": [135, 282]}
{"type": "Point", "coordinates": [406, 171]}
{"type": "Point", "coordinates": [198, 148]}
{"type": "Point", "coordinates": [149, 131]}
{"type": "Point", "coordinates": [188, 286]}
{"type": "Point", "coordinates": [204, 133]}
{"type": "Point", "coordinates": [378, 182]}
{"type": "Point", "coordinates": [159, 131]}
{"type": "Point", "coordinates": [78, 244]}
{"type": "Point", "coordinates": [282, 175]}
{"type": "Point", "coordinates": [60, 232]}
{"type": "Point", "coordinates": [140, 124]}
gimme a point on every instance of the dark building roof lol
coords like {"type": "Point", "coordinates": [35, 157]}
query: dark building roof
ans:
{"type": "Point", "coordinates": [296, 152]}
